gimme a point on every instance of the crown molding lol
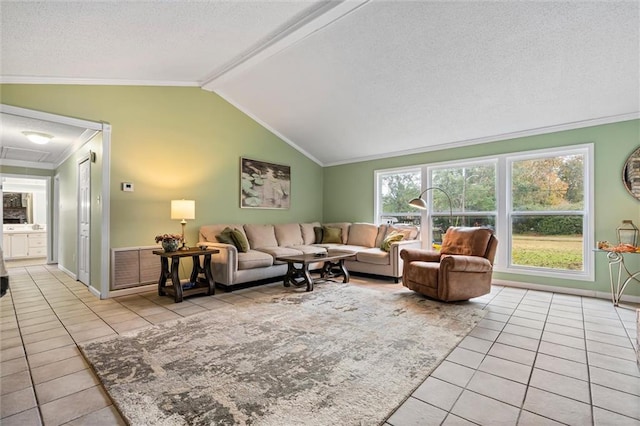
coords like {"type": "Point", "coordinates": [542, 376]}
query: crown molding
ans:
{"type": "Point", "coordinates": [495, 138]}
{"type": "Point", "coordinates": [8, 79]}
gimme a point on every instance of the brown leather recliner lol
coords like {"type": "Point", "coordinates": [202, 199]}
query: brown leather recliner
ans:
{"type": "Point", "coordinates": [461, 270]}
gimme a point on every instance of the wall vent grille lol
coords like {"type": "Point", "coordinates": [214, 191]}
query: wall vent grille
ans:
{"type": "Point", "coordinates": [134, 266]}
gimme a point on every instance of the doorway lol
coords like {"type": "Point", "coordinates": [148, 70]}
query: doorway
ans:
{"type": "Point", "coordinates": [94, 137]}
{"type": "Point", "coordinates": [25, 220]}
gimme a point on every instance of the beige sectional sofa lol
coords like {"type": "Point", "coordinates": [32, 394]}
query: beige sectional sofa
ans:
{"type": "Point", "coordinates": [267, 242]}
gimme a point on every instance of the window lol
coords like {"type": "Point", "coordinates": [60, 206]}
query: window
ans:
{"type": "Point", "coordinates": [547, 211]}
{"type": "Point", "coordinates": [537, 202]}
{"type": "Point", "coordinates": [394, 191]}
{"type": "Point", "coordinates": [472, 189]}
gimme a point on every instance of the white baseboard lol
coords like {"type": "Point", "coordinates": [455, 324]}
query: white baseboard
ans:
{"type": "Point", "coordinates": [94, 292]}
{"type": "Point", "coordinates": [133, 290]}
{"type": "Point", "coordinates": [68, 272]}
{"type": "Point", "coordinates": [566, 290]}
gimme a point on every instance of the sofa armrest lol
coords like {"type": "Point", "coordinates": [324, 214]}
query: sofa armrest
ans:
{"type": "Point", "coordinates": [415, 254]}
{"type": "Point", "coordinates": [459, 263]}
{"type": "Point", "coordinates": [224, 264]}
{"type": "Point", "coordinates": [394, 252]}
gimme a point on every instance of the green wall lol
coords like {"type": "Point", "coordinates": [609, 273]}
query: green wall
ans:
{"type": "Point", "coordinates": [68, 227]}
{"type": "Point", "coordinates": [349, 189]}
{"type": "Point", "coordinates": [176, 143]}
{"type": "Point", "coordinates": [173, 143]}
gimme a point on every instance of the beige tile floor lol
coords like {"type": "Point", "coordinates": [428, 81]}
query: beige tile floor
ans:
{"type": "Point", "coordinates": [537, 358]}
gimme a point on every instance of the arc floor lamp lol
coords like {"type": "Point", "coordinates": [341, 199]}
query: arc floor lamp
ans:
{"type": "Point", "coordinates": [421, 204]}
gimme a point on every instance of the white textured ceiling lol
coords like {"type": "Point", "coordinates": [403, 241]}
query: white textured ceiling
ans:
{"type": "Point", "coordinates": [15, 147]}
{"type": "Point", "coordinates": [347, 81]}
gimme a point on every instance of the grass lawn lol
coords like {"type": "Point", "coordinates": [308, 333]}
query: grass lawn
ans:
{"type": "Point", "coordinates": [552, 251]}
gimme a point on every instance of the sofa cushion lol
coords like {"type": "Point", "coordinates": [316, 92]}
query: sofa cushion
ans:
{"type": "Point", "coordinates": [342, 248]}
{"type": "Point", "coordinates": [317, 234]}
{"type": "Point", "coordinates": [254, 259]}
{"type": "Point", "coordinates": [410, 232]}
{"type": "Point", "coordinates": [308, 234]}
{"type": "Point", "coordinates": [345, 229]}
{"type": "Point", "coordinates": [374, 255]}
{"type": "Point", "coordinates": [260, 235]}
{"type": "Point", "coordinates": [276, 251]}
{"type": "Point", "coordinates": [307, 249]}
{"type": "Point", "coordinates": [239, 240]}
{"type": "Point", "coordinates": [382, 232]}
{"type": "Point", "coordinates": [226, 236]}
{"type": "Point", "coordinates": [209, 232]}
{"type": "Point", "coordinates": [288, 234]}
{"type": "Point", "coordinates": [331, 235]}
{"type": "Point", "coordinates": [391, 238]}
{"type": "Point", "coordinates": [362, 234]}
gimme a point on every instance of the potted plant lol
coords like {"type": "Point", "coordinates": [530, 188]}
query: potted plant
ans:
{"type": "Point", "coordinates": [170, 242]}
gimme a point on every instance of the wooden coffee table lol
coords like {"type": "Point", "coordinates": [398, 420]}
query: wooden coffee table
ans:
{"type": "Point", "coordinates": [299, 276]}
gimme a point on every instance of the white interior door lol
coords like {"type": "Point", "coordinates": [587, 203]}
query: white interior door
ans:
{"type": "Point", "coordinates": [84, 220]}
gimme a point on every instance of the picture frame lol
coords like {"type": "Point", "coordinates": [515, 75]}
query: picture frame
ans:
{"type": "Point", "coordinates": [631, 174]}
{"type": "Point", "coordinates": [264, 185]}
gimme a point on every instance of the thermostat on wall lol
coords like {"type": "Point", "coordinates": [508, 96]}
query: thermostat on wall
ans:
{"type": "Point", "coordinates": [127, 186]}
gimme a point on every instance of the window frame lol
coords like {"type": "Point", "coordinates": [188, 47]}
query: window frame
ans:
{"type": "Point", "coordinates": [588, 238]}
{"type": "Point", "coordinates": [378, 175]}
{"type": "Point", "coordinates": [504, 213]}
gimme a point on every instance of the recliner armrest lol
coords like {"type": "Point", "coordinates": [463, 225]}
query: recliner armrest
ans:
{"type": "Point", "coordinates": [460, 263]}
{"type": "Point", "coordinates": [411, 255]}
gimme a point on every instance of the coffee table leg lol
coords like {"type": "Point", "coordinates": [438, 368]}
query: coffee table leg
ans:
{"type": "Point", "coordinates": [307, 277]}
{"type": "Point", "coordinates": [345, 273]}
{"type": "Point", "coordinates": [289, 275]}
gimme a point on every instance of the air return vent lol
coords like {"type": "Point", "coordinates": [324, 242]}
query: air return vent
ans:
{"type": "Point", "coordinates": [134, 266]}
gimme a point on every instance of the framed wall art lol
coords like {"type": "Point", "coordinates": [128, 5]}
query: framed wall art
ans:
{"type": "Point", "coordinates": [264, 185]}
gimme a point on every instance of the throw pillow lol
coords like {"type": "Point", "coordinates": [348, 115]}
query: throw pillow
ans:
{"type": "Point", "coordinates": [331, 235]}
{"type": "Point", "coordinates": [317, 230]}
{"type": "Point", "coordinates": [240, 241]}
{"type": "Point", "coordinates": [225, 237]}
{"type": "Point", "coordinates": [391, 238]}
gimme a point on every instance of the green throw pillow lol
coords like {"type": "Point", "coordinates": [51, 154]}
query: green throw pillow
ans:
{"type": "Point", "coordinates": [317, 231]}
{"type": "Point", "coordinates": [331, 235]}
{"type": "Point", "coordinates": [240, 241]}
{"type": "Point", "coordinates": [226, 237]}
{"type": "Point", "coordinates": [391, 238]}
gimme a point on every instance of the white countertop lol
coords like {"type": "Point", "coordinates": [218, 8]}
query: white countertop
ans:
{"type": "Point", "coordinates": [23, 229]}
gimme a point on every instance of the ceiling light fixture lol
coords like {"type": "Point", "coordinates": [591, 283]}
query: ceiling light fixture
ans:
{"type": "Point", "coordinates": [37, 137]}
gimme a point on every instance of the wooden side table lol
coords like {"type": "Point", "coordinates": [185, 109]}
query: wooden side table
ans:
{"type": "Point", "coordinates": [199, 285]}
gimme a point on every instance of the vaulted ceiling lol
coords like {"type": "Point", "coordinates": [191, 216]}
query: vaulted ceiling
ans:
{"type": "Point", "coordinates": [345, 81]}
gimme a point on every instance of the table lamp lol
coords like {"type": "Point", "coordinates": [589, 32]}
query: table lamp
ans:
{"type": "Point", "coordinates": [183, 209]}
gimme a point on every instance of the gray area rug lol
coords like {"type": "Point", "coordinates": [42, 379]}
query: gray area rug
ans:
{"type": "Point", "coordinates": [342, 354]}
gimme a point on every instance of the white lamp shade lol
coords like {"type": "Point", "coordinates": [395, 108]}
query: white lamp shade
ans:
{"type": "Point", "coordinates": [183, 209]}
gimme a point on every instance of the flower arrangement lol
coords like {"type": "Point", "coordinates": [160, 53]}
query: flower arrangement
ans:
{"type": "Point", "coordinates": [168, 237]}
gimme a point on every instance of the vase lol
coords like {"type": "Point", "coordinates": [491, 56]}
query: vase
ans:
{"type": "Point", "coordinates": [170, 245]}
